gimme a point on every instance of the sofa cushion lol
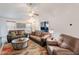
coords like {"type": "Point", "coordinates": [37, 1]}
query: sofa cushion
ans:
{"type": "Point", "coordinates": [33, 33]}
{"type": "Point", "coordinates": [70, 41]}
{"type": "Point", "coordinates": [64, 45]}
{"type": "Point", "coordinates": [50, 50]}
{"type": "Point", "coordinates": [58, 51]}
{"type": "Point", "coordinates": [35, 38]}
{"type": "Point", "coordinates": [38, 33]}
{"type": "Point", "coordinates": [76, 49]}
{"type": "Point", "coordinates": [59, 39]}
{"type": "Point", "coordinates": [62, 51]}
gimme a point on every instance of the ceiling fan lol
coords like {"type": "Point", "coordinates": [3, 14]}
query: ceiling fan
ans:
{"type": "Point", "coordinates": [32, 9]}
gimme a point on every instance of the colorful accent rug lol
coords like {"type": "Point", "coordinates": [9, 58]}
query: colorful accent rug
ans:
{"type": "Point", "coordinates": [32, 49]}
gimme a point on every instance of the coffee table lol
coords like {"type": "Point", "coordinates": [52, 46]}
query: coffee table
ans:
{"type": "Point", "coordinates": [20, 43]}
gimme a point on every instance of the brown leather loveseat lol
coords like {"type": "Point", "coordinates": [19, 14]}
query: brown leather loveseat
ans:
{"type": "Point", "coordinates": [64, 45]}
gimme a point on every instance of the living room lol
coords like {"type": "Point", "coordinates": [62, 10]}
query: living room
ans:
{"type": "Point", "coordinates": [39, 28]}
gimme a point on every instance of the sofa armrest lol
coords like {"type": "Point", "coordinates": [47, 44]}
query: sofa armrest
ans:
{"type": "Point", "coordinates": [51, 42]}
{"type": "Point", "coordinates": [45, 36]}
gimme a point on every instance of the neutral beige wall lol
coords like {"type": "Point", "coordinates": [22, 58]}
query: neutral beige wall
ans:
{"type": "Point", "coordinates": [60, 16]}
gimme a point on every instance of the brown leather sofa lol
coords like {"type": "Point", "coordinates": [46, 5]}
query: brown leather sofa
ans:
{"type": "Point", "coordinates": [14, 34]}
{"type": "Point", "coordinates": [64, 45]}
{"type": "Point", "coordinates": [39, 37]}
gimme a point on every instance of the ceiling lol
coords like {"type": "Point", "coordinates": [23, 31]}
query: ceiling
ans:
{"type": "Point", "coordinates": [19, 10]}
{"type": "Point", "coordinates": [13, 10]}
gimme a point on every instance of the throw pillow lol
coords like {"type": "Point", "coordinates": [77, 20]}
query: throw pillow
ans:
{"type": "Point", "coordinates": [13, 34]}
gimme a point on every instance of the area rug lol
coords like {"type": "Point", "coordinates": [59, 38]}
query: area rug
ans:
{"type": "Point", "coordinates": [32, 49]}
